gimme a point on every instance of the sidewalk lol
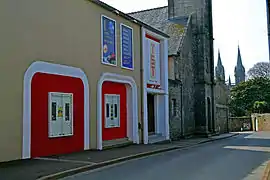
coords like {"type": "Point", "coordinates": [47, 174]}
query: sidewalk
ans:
{"type": "Point", "coordinates": [61, 166]}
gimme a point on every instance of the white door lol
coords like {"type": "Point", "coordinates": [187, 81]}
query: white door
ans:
{"type": "Point", "coordinates": [55, 115]}
{"type": "Point", "coordinates": [60, 114]}
{"type": "Point", "coordinates": [68, 112]}
{"type": "Point", "coordinates": [112, 111]}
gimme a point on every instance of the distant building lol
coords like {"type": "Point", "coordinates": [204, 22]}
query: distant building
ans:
{"type": "Point", "coordinates": [239, 71]}
{"type": "Point", "coordinates": [222, 91]}
{"type": "Point", "coordinates": [220, 72]}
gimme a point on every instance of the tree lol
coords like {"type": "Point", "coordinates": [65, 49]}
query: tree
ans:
{"type": "Point", "coordinates": [260, 107]}
{"type": "Point", "coordinates": [245, 94]}
{"type": "Point", "coordinates": [261, 69]}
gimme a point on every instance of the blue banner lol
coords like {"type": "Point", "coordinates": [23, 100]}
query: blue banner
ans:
{"type": "Point", "coordinates": [127, 47]}
{"type": "Point", "coordinates": [108, 44]}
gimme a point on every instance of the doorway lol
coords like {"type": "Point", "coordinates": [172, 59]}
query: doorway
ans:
{"type": "Point", "coordinates": [151, 113]}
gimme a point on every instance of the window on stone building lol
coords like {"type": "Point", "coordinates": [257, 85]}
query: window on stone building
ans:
{"type": "Point", "coordinates": [173, 107]}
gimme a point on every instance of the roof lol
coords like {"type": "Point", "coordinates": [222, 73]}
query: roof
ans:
{"type": "Point", "coordinates": [128, 17]}
{"type": "Point", "coordinates": [158, 18]}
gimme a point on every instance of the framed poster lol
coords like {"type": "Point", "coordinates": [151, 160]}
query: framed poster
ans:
{"type": "Point", "coordinates": [108, 41]}
{"type": "Point", "coordinates": [153, 62]}
{"type": "Point", "coordinates": [127, 61]}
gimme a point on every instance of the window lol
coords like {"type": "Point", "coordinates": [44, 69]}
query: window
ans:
{"type": "Point", "coordinates": [53, 111]}
{"type": "Point", "coordinates": [67, 111]}
{"type": "Point", "coordinates": [107, 110]}
{"type": "Point", "coordinates": [173, 107]}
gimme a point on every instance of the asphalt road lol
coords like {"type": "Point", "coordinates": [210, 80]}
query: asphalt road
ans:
{"type": "Point", "coordinates": [239, 158]}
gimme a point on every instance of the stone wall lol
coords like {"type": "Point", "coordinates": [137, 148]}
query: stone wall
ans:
{"type": "Point", "coordinates": [222, 109]}
{"type": "Point", "coordinates": [186, 66]}
{"type": "Point", "coordinates": [263, 121]}
{"type": "Point", "coordinates": [236, 123]}
{"type": "Point", "coordinates": [222, 119]}
{"type": "Point", "coordinates": [175, 114]}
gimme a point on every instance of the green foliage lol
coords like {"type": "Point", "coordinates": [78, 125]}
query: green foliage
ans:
{"type": "Point", "coordinates": [260, 107]}
{"type": "Point", "coordinates": [245, 94]}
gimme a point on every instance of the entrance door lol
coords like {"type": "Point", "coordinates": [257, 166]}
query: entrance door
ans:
{"type": "Point", "coordinates": [151, 113]}
{"type": "Point", "coordinates": [61, 115]}
{"type": "Point", "coordinates": [112, 111]}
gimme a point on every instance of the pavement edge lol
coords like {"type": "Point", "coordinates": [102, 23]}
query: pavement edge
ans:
{"type": "Point", "coordinates": [85, 168]}
{"type": "Point", "coordinates": [266, 175]}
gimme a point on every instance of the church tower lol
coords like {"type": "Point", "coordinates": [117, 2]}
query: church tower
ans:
{"type": "Point", "coordinates": [220, 72]}
{"type": "Point", "coordinates": [239, 71]}
{"type": "Point", "coordinates": [200, 12]}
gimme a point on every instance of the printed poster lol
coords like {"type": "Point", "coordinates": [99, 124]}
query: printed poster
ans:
{"type": "Point", "coordinates": [154, 62]}
{"type": "Point", "coordinates": [126, 47]}
{"type": "Point", "coordinates": [108, 41]}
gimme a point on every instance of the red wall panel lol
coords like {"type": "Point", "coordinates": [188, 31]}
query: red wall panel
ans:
{"type": "Point", "coordinates": [41, 144]}
{"type": "Point", "coordinates": [120, 132]}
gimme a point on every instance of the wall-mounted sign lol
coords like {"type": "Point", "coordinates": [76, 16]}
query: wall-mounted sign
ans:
{"type": "Point", "coordinates": [108, 41]}
{"type": "Point", "coordinates": [126, 47]}
{"type": "Point", "coordinates": [153, 61]}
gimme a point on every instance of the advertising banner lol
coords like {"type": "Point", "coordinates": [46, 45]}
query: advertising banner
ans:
{"type": "Point", "coordinates": [108, 41]}
{"type": "Point", "coordinates": [154, 62]}
{"type": "Point", "coordinates": [126, 47]}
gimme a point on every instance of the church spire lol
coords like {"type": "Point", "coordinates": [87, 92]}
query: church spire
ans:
{"type": "Point", "coordinates": [220, 72]}
{"type": "Point", "coordinates": [239, 58]}
{"type": "Point", "coordinates": [230, 82]}
{"type": "Point", "coordinates": [239, 71]}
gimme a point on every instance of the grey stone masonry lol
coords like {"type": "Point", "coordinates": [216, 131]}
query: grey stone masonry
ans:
{"type": "Point", "coordinates": [202, 33]}
{"type": "Point", "coordinates": [175, 106]}
{"type": "Point", "coordinates": [239, 71]}
{"type": "Point", "coordinates": [220, 72]}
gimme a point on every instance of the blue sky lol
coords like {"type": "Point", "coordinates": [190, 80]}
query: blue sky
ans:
{"type": "Point", "coordinates": [235, 21]}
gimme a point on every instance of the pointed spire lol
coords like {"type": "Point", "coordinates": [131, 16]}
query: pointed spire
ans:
{"type": "Point", "coordinates": [239, 58]}
{"type": "Point", "coordinates": [220, 72]}
{"type": "Point", "coordinates": [239, 71]}
{"type": "Point", "coordinates": [230, 82]}
{"type": "Point", "coordinates": [219, 59]}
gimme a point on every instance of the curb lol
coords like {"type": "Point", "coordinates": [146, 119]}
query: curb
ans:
{"type": "Point", "coordinates": [74, 171]}
{"type": "Point", "coordinates": [266, 175]}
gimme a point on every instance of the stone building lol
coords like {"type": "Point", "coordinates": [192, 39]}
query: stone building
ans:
{"type": "Point", "coordinates": [180, 67]}
{"type": "Point", "coordinates": [221, 98]}
{"type": "Point", "coordinates": [239, 71]}
{"type": "Point", "coordinates": [191, 63]}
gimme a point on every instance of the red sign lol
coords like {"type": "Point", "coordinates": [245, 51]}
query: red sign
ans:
{"type": "Point", "coordinates": [153, 60]}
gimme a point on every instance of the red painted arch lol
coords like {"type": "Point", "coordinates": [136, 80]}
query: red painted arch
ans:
{"type": "Point", "coordinates": [41, 144]}
{"type": "Point", "coordinates": [119, 132]}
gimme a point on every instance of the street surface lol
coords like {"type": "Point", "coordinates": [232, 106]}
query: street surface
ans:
{"type": "Point", "coordinates": [239, 158]}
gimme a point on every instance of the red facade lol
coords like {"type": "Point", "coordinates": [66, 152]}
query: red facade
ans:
{"type": "Point", "coordinates": [119, 132]}
{"type": "Point", "coordinates": [41, 144]}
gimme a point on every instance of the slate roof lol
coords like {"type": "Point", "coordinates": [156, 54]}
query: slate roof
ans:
{"type": "Point", "coordinates": [158, 18]}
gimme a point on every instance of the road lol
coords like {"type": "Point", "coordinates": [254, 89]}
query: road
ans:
{"type": "Point", "coordinates": [239, 158]}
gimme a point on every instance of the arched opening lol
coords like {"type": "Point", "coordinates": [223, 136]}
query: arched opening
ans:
{"type": "Point", "coordinates": [117, 109]}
